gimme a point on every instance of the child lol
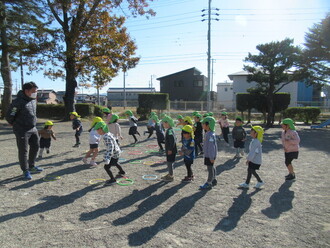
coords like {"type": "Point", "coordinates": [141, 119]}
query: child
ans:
{"type": "Point", "coordinates": [170, 147]}
{"type": "Point", "coordinates": [254, 158]}
{"type": "Point", "coordinates": [133, 125]}
{"type": "Point", "coordinates": [150, 125]}
{"type": "Point", "coordinates": [114, 127]}
{"type": "Point", "coordinates": [290, 142]}
{"type": "Point", "coordinates": [159, 132]}
{"type": "Point", "coordinates": [239, 136]}
{"type": "Point", "coordinates": [187, 121]}
{"type": "Point", "coordinates": [45, 137]}
{"type": "Point", "coordinates": [107, 113]}
{"type": "Point", "coordinates": [77, 126]}
{"type": "Point", "coordinates": [188, 150]}
{"type": "Point", "coordinates": [224, 125]}
{"type": "Point", "coordinates": [198, 132]}
{"type": "Point", "coordinates": [94, 139]}
{"type": "Point", "coordinates": [210, 151]}
{"type": "Point", "coordinates": [180, 121]}
{"type": "Point", "coordinates": [112, 152]}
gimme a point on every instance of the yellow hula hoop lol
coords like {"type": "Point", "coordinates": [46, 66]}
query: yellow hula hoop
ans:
{"type": "Point", "coordinates": [96, 181]}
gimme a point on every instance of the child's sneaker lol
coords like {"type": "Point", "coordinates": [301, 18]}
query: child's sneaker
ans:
{"type": "Point", "coordinates": [205, 186]}
{"type": "Point", "coordinates": [121, 174]}
{"type": "Point", "coordinates": [188, 179]}
{"type": "Point", "coordinates": [35, 169]}
{"type": "Point", "coordinates": [93, 163]}
{"type": "Point", "coordinates": [244, 185]}
{"type": "Point", "coordinates": [27, 175]}
{"type": "Point", "coordinates": [76, 145]}
{"type": "Point", "coordinates": [290, 177]}
{"type": "Point", "coordinates": [167, 178]}
{"type": "Point", "coordinates": [85, 160]}
{"type": "Point", "coordinates": [111, 181]}
{"type": "Point", "coordinates": [47, 151]}
{"type": "Point", "coordinates": [258, 185]}
{"type": "Point", "coordinates": [214, 182]}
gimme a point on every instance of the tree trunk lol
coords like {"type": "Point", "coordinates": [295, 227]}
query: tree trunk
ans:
{"type": "Point", "coordinates": [249, 116]}
{"type": "Point", "coordinates": [70, 88]}
{"type": "Point", "coordinates": [5, 62]}
{"type": "Point", "coordinates": [270, 104]}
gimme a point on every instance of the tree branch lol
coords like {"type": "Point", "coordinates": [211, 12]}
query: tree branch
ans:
{"type": "Point", "coordinates": [54, 13]}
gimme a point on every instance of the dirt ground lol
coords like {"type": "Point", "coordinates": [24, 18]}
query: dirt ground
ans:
{"type": "Point", "coordinates": [72, 212]}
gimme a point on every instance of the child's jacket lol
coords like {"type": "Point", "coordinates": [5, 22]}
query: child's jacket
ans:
{"type": "Point", "coordinates": [290, 140]}
{"type": "Point", "coordinates": [210, 145]}
{"type": "Point", "coordinates": [255, 152]}
{"type": "Point", "coordinates": [170, 141]}
{"type": "Point", "coordinates": [111, 146]}
{"type": "Point", "coordinates": [188, 149]}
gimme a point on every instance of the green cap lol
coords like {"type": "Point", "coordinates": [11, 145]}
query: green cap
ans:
{"type": "Point", "coordinates": [210, 114]}
{"type": "Point", "coordinates": [289, 122]}
{"type": "Point", "coordinates": [195, 113]}
{"type": "Point", "coordinates": [154, 118]}
{"type": "Point", "coordinates": [114, 117]}
{"type": "Point", "coordinates": [179, 117]}
{"type": "Point", "coordinates": [169, 120]}
{"type": "Point", "coordinates": [102, 125]}
{"type": "Point", "coordinates": [128, 112]}
{"type": "Point", "coordinates": [224, 113]}
{"type": "Point", "coordinates": [238, 118]}
{"type": "Point", "coordinates": [211, 121]}
{"type": "Point", "coordinates": [198, 115]}
{"type": "Point", "coordinates": [106, 110]}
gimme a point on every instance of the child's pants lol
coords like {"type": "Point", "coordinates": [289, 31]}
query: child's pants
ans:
{"type": "Point", "coordinates": [113, 162]}
{"type": "Point", "coordinates": [225, 132]}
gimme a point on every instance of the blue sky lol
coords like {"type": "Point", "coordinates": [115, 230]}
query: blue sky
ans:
{"type": "Point", "coordinates": [176, 38]}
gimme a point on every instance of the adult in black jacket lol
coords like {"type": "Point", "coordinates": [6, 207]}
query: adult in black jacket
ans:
{"type": "Point", "coordinates": [22, 117]}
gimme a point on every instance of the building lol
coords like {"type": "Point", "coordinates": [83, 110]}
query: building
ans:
{"type": "Point", "coordinates": [187, 85]}
{"type": "Point", "coordinates": [116, 96]}
{"type": "Point", "coordinates": [47, 96]}
{"type": "Point", "coordinates": [301, 94]}
{"type": "Point", "coordinates": [225, 96]}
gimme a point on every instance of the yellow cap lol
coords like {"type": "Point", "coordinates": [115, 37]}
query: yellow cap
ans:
{"type": "Point", "coordinates": [188, 129]}
{"type": "Point", "coordinates": [260, 132]}
{"type": "Point", "coordinates": [49, 123]}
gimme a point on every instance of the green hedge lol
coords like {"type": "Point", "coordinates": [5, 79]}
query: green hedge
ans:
{"type": "Point", "coordinates": [56, 111]}
{"type": "Point", "coordinates": [304, 114]}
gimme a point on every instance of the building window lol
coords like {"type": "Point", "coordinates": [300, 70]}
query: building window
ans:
{"type": "Point", "coordinates": [178, 83]}
{"type": "Point", "coordinates": [198, 83]}
{"type": "Point", "coordinates": [226, 89]}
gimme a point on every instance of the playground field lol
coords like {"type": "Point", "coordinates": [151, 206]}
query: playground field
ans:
{"type": "Point", "coordinates": [66, 206]}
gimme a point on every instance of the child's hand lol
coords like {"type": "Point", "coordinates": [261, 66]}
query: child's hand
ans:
{"type": "Point", "coordinates": [121, 137]}
{"type": "Point", "coordinates": [247, 162]}
{"type": "Point", "coordinates": [169, 152]}
{"type": "Point", "coordinates": [181, 153]}
{"type": "Point", "coordinates": [212, 161]}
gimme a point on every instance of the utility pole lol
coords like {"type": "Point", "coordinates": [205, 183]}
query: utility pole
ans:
{"type": "Point", "coordinates": [124, 71]}
{"type": "Point", "coordinates": [209, 53]}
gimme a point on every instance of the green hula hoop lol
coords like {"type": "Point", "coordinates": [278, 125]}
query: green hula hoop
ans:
{"type": "Point", "coordinates": [129, 182]}
{"type": "Point", "coordinates": [136, 162]}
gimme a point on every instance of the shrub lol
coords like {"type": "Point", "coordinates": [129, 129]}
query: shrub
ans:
{"type": "Point", "coordinates": [98, 110]}
{"type": "Point", "coordinates": [153, 101]}
{"type": "Point", "coordinates": [85, 109]}
{"type": "Point", "coordinates": [50, 111]}
{"type": "Point", "coordinates": [304, 114]}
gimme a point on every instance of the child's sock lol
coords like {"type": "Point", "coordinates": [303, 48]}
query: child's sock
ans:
{"type": "Point", "coordinates": [41, 150]}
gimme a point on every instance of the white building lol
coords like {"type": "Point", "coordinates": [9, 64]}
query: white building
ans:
{"type": "Point", "coordinates": [116, 96]}
{"type": "Point", "coordinates": [225, 96]}
{"type": "Point", "coordinates": [300, 93]}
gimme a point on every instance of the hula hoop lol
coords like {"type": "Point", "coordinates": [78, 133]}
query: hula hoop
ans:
{"type": "Point", "coordinates": [96, 181]}
{"type": "Point", "coordinates": [136, 162]}
{"type": "Point", "coordinates": [148, 163]}
{"type": "Point", "coordinates": [129, 182]}
{"type": "Point", "coordinates": [152, 145]}
{"type": "Point", "coordinates": [50, 178]}
{"type": "Point", "coordinates": [152, 151]}
{"type": "Point", "coordinates": [122, 159]}
{"type": "Point", "coordinates": [135, 153]}
{"type": "Point", "coordinates": [160, 162]}
{"type": "Point", "coordinates": [149, 177]}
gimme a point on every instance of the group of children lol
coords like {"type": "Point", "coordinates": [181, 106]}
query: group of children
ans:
{"type": "Point", "coordinates": [198, 136]}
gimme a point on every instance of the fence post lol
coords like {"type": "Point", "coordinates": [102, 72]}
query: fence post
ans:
{"type": "Point", "coordinates": [201, 105]}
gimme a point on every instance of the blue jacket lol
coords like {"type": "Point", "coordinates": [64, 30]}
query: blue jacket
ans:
{"type": "Point", "coordinates": [210, 145]}
{"type": "Point", "coordinates": [188, 149]}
